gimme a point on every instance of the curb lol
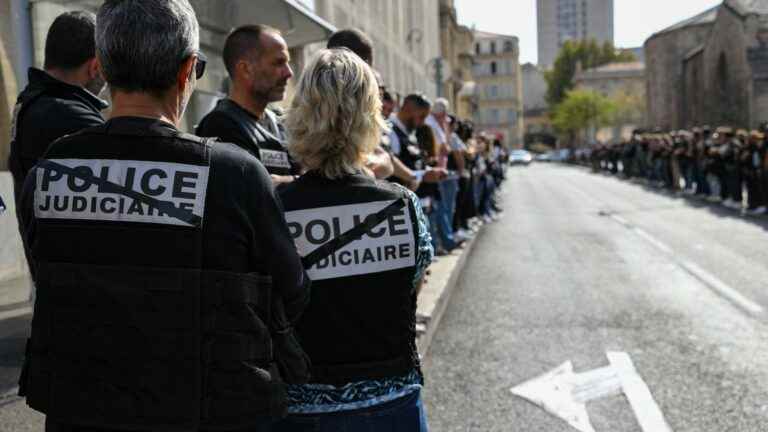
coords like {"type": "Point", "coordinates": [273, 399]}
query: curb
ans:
{"type": "Point", "coordinates": [429, 322]}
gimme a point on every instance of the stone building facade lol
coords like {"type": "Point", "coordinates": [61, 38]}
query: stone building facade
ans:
{"type": "Point", "coordinates": [665, 53]}
{"type": "Point", "coordinates": [499, 86]}
{"type": "Point", "coordinates": [456, 45]}
{"type": "Point", "coordinates": [536, 121]}
{"type": "Point", "coordinates": [712, 69]}
{"type": "Point", "coordinates": [405, 33]}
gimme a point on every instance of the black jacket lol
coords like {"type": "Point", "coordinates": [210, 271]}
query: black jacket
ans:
{"type": "Point", "coordinates": [155, 316]}
{"type": "Point", "coordinates": [45, 111]}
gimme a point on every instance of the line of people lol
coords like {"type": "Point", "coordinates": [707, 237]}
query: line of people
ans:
{"type": "Point", "coordinates": [724, 166]}
{"type": "Point", "coordinates": [259, 275]}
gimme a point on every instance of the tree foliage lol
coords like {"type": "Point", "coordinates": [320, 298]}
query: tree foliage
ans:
{"type": "Point", "coordinates": [589, 54]}
{"type": "Point", "coordinates": [581, 109]}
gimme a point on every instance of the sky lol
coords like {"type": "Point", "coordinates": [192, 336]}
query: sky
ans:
{"type": "Point", "coordinates": [634, 21]}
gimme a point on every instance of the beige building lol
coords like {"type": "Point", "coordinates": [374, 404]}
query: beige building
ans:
{"type": "Point", "coordinates": [625, 84]}
{"type": "Point", "coordinates": [563, 20]}
{"type": "Point", "coordinates": [499, 87]}
{"type": "Point", "coordinates": [406, 36]}
{"type": "Point", "coordinates": [456, 45]}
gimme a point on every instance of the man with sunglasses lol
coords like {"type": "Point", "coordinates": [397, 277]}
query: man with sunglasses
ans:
{"type": "Point", "coordinates": [257, 60]}
{"type": "Point", "coordinates": [167, 280]}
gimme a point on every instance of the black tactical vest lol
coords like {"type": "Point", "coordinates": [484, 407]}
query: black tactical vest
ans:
{"type": "Point", "coordinates": [360, 324]}
{"type": "Point", "coordinates": [410, 153]}
{"type": "Point", "coordinates": [129, 331]}
{"type": "Point", "coordinates": [255, 138]}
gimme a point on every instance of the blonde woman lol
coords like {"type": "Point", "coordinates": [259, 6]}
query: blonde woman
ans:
{"type": "Point", "coordinates": [365, 245]}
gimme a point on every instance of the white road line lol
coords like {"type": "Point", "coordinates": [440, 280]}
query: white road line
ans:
{"type": "Point", "coordinates": [710, 280]}
{"type": "Point", "coordinates": [647, 411]}
{"type": "Point", "coordinates": [721, 287]}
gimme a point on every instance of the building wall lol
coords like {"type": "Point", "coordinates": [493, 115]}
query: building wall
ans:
{"type": "Point", "coordinates": [406, 36]}
{"type": "Point", "coordinates": [664, 54]}
{"type": "Point", "coordinates": [727, 76]}
{"type": "Point", "coordinates": [562, 20]}
{"type": "Point", "coordinates": [456, 45]}
{"type": "Point", "coordinates": [499, 87]}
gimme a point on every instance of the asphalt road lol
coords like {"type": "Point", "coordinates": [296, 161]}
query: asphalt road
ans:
{"type": "Point", "coordinates": [582, 264]}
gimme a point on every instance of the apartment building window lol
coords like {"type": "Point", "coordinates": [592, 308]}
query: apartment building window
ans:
{"type": "Point", "coordinates": [493, 92]}
{"type": "Point", "coordinates": [477, 48]}
{"type": "Point", "coordinates": [509, 46]}
{"type": "Point", "coordinates": [494, 68]}
{"type": "Point", "coordinates": [493, 47]}
{"type": "Point", "coordinates": [512, 116]}
{"type": "Point", "coordinates": [494, 116]}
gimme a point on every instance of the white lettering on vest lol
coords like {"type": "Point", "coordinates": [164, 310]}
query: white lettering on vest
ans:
{"type": "Point", "coordinates": [62, 196]}
{"type": "Point", "coordinates": [274, 159]}
{"type": "Point", "coordinates": [388, 246]}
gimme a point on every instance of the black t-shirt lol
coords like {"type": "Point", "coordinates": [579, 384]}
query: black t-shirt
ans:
{"type": "Point", "coordinates": [229, 122]}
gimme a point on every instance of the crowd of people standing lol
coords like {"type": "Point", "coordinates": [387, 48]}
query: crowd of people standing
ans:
{"type": "Point", "coordinates": [724, 165]}
{"type": "Point", "coordinates": [259, 275]}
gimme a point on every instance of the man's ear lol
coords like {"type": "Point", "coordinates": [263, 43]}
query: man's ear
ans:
{"type": "Point", "coordinates": [186, 71]}
{"type": "Point", "coordinates": [94, 68]}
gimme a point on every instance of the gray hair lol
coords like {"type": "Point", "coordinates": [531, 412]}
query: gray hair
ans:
{"type": "Point", "coordinates": [141, 44]}
{"type": "Point", "coordinates": [440, 106]}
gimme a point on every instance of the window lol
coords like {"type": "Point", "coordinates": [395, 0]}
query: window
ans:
{"type": "Point", "coordinates": [493, 47]}
{"type": "Point", "coordinates": [494, 116]}
{"type": "Point", "coordinates": [512, 116]}
{"type": "Point", "coordinates": [494, 92]}
{"type": "Point", "coordinates": [494, 68]}
{"type": "Point", "coordinates": [477, 48]}
{"type": "Point", "coordinates": [509, 46]}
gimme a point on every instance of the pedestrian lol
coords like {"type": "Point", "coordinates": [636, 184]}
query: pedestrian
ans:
{"type": "Point", "coordinates": [365, 245]}
{"type": "Point", "coordinates": [258, 64]}
{"type": "Point", "coordinates": [167, 278]}
{"type": "Point", "coordinates": [60, 99]}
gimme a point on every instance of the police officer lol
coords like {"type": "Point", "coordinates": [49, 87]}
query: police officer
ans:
{"type": "Point", "coordinates": [365, 245]}
{"type": "Point", "coordinates": [257, 60]}
{"type": "Point", "coordinates": [167, 279]}
{"type": "Point", "coordinates": [412, 114]}
{"type": "Point", "coordinates": [60, 99]}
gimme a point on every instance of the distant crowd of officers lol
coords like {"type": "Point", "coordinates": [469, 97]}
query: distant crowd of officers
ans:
{"type": "Point", "coordinates": [725, 165]}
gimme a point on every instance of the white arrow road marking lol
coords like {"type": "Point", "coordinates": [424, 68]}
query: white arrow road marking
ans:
{"type": "Point", "coordinates": [564, 394]}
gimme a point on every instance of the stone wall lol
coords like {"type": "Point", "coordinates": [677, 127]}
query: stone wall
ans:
{"type": "Point", "coordinates": [664, 54]}
{"type": "Point", "coordinates": [727, 75]}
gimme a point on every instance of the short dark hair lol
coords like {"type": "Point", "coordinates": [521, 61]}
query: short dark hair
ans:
{"type": "Point", "coordinates": [242, 41]}
{"type": "Point", "coordinates": [354, 40]}
{"type": "Point", "coordinates": [419, 100]}
{"type": "Point", "coordinates": [71, 40]}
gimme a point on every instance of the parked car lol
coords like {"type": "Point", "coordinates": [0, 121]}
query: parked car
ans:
{"type": "Point", "coordinates": [520, 157]}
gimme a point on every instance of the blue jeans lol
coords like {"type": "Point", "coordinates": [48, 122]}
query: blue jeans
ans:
{"type": "Point", "coordinates": [405, 414]}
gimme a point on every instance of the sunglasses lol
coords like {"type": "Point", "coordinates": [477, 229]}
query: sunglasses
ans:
{"type": "Point", "coordinates": [202, 61]}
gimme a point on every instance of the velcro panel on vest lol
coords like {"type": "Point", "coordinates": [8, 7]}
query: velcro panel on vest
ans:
{"type": "Point", "coordinates": [123, 346]}
{"type": "Point", "coordinates": [240, 384]}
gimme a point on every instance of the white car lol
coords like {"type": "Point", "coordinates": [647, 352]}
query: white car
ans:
{"type": "Point", "coordinates": [520, 157]}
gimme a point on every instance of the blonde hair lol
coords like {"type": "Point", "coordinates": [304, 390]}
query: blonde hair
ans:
{"type": "Point", "coordinates": [335, 119]}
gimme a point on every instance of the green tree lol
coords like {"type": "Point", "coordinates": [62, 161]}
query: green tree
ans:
{"type": "Point", "coordinates": [582, 110]}
{"type": "Point", "coordinates": [587, 53]}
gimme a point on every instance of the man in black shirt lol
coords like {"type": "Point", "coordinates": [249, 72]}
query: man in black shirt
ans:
{"type": "Point", "coordinates": [257, 60]}
{"type": "Point", "coordinates": [167, 280]}
{"type": "Point", "coordinates": [61, 99]}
